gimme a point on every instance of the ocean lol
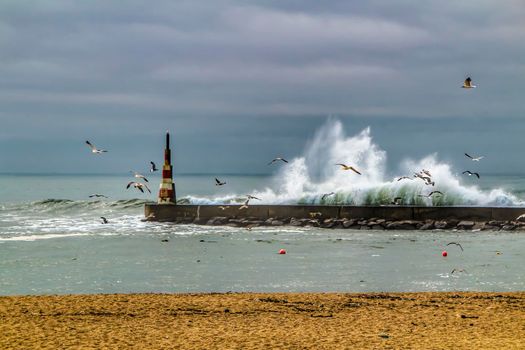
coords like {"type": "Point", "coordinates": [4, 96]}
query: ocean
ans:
{"type": "Point", "coordinates": [52, 241]}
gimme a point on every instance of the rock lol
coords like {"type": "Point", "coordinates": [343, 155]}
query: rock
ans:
{"type": "Point", "coordinates": [508, 227]}
{"type": "Point", "coordinates": [268, 221]}
{"type": "Point", "coordinates": [427, 226]}
{"type": "Point", "coordinates": [521, 218]}
{"type": "Point", "coordinates": [441, 225]}
{"type": "Point", "coordinates": [496, 223]}
{"type": "Point", "coordinates": [277, 223]}
{"type": "Point", "coordinates": [377, 227]}
{"type": "Point", "coordinates": [295, 222]}
{"type": "Point", "coordinates": [362, 222]}
{"type": "Point", "coordinates": [487, 227]}
{"type": "Point", "coordinates": [364, 227]}
{"type": "Point", "coordinates": [465, 225]}
{"type": "Point", "coordinates": [401, 225]}
{"type": "Point", "coordinates": [348, 223]}
{"type": "Point", "coordinates": [329, 223]}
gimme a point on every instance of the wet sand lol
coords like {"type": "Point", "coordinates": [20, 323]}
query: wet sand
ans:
{"type": "Point", "coordinates": [263, 321]}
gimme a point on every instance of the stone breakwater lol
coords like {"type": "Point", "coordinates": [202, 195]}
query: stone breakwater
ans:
{"type": "Point", "coordinates": [360, 223]}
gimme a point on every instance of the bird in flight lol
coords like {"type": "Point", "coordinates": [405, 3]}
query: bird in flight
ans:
{"type": "Point", "coordinates": [153, 167]}
{"type": "Point", "coordinates": [277, 159]}
{"type": "Point", "coordinates": [94, 149]}
{"type": "Point", "coordinates": [459, 245]}
{"type": "Point", "coordinates": [139, 176]}
{"type": "Point", "coordinates": [139, 186]}
{"type": "Point", "coordinates": [467, 84]}
{"type": "Point", "coordinates": [404, 178]}
{"type": "Point", "coordinates": [327, 195]}
{"type": "Point", "coordinates": [97, 195]}
{"type": "Point", "coordinates": [104, 220]}
{"type": "Point", "coordinates": [245, 205]}
{"type": "Point", "coordinates": [347, 167]}
{"type": "Point", "coordinates": [222, 207]}
{"type": "Point", "coordinates": [470, 173]}
{"type": "Point", "coordinates": [474, 159]}
{"type": "Point", "coordinates": [249, 196]}
{"type": "Point", "coordinates": [457, 270]}
{"type": "Point", "coordinates": [396, 201]}
{"type": "Point", "coordinates": [430, 194]}
{"type": "Point", "coordinates": [219, 183]}
{"type": "Point", "coordinates": [521, 217]}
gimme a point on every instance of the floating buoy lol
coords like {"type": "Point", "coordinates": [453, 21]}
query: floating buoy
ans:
{"type": "Point", "coordinates": [444, 253]}
{"type": "Point", "coordinates": [282, 251]}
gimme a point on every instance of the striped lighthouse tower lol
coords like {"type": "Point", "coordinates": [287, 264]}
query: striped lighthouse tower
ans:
{"type": "Point", "coordinates": [167, 187]}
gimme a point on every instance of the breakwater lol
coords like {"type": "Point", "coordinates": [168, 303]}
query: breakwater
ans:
{"type": "Point", "coordinates": [357, 217]}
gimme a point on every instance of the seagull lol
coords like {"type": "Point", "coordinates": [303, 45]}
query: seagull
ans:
{"type": "Point", "coordinates": [222, 207]}
{"type": "Point", "coordinates": [219, 183]}
{"type": "Point", "coordinates": [277, 159]}
{"type": "Point", "coordinates": [327, 195]}
{"type": "Point", "coordinates": [426, 172]}
{"type": "Point", "coordinates": [94, 149]}
{"type": "Point", "coordinates": [427, 179]}
{"type": "Point", "coordinates": [475, 159]}
{"type": "Point", "coordinates": [153, 167]}
{"type": "Point", "coordinates": [396, 201]}
{"type": "Point", "coordinates": [315, 214]}
{"type": "Point", "coordinates": [97, 195]}
{"type": "Point", "coordinates": [404, 178]}
{"type": "Point", "coordinates": [104, 220]}
{"type": "Point", "coordinates": [245, 205]}
{"type": "Point", "coordinates": [459, 245]}
{"type": "Point", "coordinates": [346, 167]}
{"type": "Point", "coordinates": [252, 197]}
{"type": "Point", "coordinates": [139, 186]}
{"type": "Point", "coordinates": [468, 84]}
{"type": "Point", "coordinates": [430, 194]}
{"type": "Point", "coordinates": [139, 176]}
{"type": "Point", "coordinates": [519, 218]}
{"type": "Point", "coordinates": [458, 270]}
{"type": "Point", "coordinates": [470, 173]}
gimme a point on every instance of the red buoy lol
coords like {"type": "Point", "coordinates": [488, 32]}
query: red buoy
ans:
{"type": "Point", "coordinates": [282, 251]}
{"type": "Point", "coordinates": [444, 253]}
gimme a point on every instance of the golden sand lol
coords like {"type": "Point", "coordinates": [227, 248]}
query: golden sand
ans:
{"type": "Point", "coordinates": [265, 321]}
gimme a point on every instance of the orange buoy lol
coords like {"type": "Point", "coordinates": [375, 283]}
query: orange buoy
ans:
{"type": "Point", "coordinates": [444, 253]}
{"type": "Point", "coordinates": [282, 251]}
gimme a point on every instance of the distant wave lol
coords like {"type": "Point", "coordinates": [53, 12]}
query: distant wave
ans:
{"type": "Point", "coordinates": [67, 206]}
{"type": "Point", "coordinates": [305, 179]}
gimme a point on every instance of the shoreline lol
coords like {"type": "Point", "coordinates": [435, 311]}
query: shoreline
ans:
{"type": "Point", "coordinates": [460, 320]}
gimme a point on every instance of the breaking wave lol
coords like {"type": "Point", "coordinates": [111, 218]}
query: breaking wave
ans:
{"type": "Point", "coordinates": [305, 179]}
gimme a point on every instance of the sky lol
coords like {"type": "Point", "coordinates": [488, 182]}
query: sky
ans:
{"type": "Point", "coordinates": [239, 82]}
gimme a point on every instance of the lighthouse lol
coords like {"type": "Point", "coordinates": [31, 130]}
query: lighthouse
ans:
{"type": "Point", "coordinates": [167, 187]}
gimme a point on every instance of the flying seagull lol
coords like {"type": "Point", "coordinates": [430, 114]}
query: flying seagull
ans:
{"type": "Point", "coordinates": [277, 159]}
{"type": "Point", "coordinates": [249, 196]}
{"type": "Point", "coordinates": [459, 245]}
{"type": "Point", "coordinates": [521, 217]}
{"type": "Point", "coordinates": [327, 195]}
{"type": "Point", "coordinates": [404, 178]}
{"type": "Point", "coordinates": [468, 84]}
{"type": "Point", "coordinates": [245, 205]}
{"type": "Point", "coordinates": [94, 149]}
{"type": "Point", "coordinates": [153, 167]}
{"type": "Point", "coordinates": [475, 159]}
{"type": "Point", "coordinates": [97, 195]}
{"type": "Point", "coordinates": [347, 167]}
{"type": "Point", "coordinates": [457, 270]}
{"type": "Point", "coordinates": [470, 173]}
{"type": "Point", "coordinates": [139, 186]}
{"type": "Point", "coordinates": [104, 220]}
{"type": "Point", "coordinates": [396, 201]}
{"type": "Point", "coordinates": [222, 207]}
{"type": "Point", "coordinates": [219, 183]}
{"type": "Point", "coordinates": [430, 194]}
{"type": "Point", "coordinates": [139, 176]}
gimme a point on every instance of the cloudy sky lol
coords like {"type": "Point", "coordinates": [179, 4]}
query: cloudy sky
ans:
{"type": "Point", "coordinates": [238, 82]}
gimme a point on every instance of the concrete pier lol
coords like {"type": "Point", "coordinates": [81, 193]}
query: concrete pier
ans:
{"type": "Point", "coordinates": [190, 213]}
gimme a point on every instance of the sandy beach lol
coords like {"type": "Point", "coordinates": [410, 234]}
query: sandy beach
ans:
{"type": "Point", "coordinates": [262, 321]}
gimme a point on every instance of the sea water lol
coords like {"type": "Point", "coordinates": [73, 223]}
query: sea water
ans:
{"type": "Point", "coordinates": [52, 240]}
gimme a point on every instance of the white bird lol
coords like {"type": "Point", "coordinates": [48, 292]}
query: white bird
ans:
{"type": "Point", "coordinates": [139, 176]}
{"type": "Point", "coordinates": [470, 173]}
{"type": "Point", "coordinates": [153, 167]}
{"type": "Point", "coordinates": [245, 205]}
{"type": "Point", "coordinates": [467, 84]}
{"type": "Point", "coordinates": [475, 159]}
{"type": "Point", "coordinates": [94, 149]}
{"type": "Point", "coordinates": [277, 159]}
{"type": "Point", "coordinates": [521, 218]}
{"type": "Point", "coordinates": [249, 196]}
{"type": "Point", "coordinates": [348, 167]}
{"type": "Point", "coordinates": [139, 186]}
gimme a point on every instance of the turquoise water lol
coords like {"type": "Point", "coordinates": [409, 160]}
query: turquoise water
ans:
{"type": "Point", "coordinates": [52, 242]}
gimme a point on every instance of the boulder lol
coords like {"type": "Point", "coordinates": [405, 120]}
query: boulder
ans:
{"type": "Point", "coordinates": [465, 225]}
{"type": "Point", "coordinates": [348, 223]}
{"type": "Point", "coordinates": [401, 225]}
